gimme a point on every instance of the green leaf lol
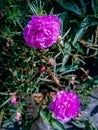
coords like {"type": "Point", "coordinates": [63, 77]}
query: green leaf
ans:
{"type": "Point", "coordinates": [87, 22]}
{"type": "Point", "coordinates": [32, 8]}
{"type": "Point", "coordinates": [57, 125]}
{"type": "Point", "coordinates": [71, 6]}
{"type": "Point", "coordinates": [46, 116]}
{"type": "Point", "coordinates": [92, 81]}
{"type": "Point", "coordinates": [81, 31]}
{"type": "Point", "coordinates": [65, 59]}
{"type": "Point", "coordinates": [29, 124]}
{"type": "Point", "coordinates": [53, 122]}
{"type": "Point", "coordinates": [64, 15]}
{"type": "Point", "coordinates": [67, 69]}
{"type": "Point", "coordinates": [83, 5]}
{"type": "Point", "coordinates": [95, 6]}
{"type": "Point", "coordinates": [78, 124]}
{"type": "Point", "coordinates": [4, 103]}
{"type": "Point", "coordinates": [60, 2]}
{"type": "Point", "coordinates": [79, 35]}
{"type": "Point", "coordinates": [93, 127]}
{"type": "Point", "coordinates": [67, 46]}
{"type": "Point", "coordinates": [8, 121]}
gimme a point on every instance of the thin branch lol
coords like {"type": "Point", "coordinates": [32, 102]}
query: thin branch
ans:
{"type": "Point", "coordinates": [54, 78]}
{"type": "Point", "coordinates": [91, 46]}
{"type": "Point", "coordinates": [96, 35]}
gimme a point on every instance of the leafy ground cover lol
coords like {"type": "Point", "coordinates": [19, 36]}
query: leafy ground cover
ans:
{"type": "Point", "coordinates": [70, 64]}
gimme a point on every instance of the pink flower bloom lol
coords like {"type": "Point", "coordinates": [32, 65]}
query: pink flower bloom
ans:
{"type": "Point", "coordinates": [42, 31]}
{"type": "Point", "coordinates": [51, 61]}
{"type": "Point", "coordinates": [18, 116]}
{"type": "Point", "coordinates": [42, 69]}
{"type": "Point", "coordinates": [65, 105]}
{"type": "Point", "coordinates": [14, 99]}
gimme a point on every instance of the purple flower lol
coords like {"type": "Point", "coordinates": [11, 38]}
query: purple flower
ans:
{"type": "Point", "coordinates": [42, 31]}
{"type": "Point", "coordinates": [42, 69]}
{"type": "Point", "coordinates": [65, 105]}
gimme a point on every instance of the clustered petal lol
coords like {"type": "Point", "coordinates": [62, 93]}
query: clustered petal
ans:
{"type": "Point", "coordinates": [42, 31]}
{"type": "Point", "coordinates": [65, 105]}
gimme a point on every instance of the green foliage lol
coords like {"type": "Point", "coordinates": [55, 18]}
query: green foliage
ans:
{"type": "Point", "coordinates": [20, 65]}
{"type": "Point", "coordinates": [54, 123]}
{"type": "Point", "coordinates": [85, 125]}
{"type": "Point", "coordinates": [86, 23]}
{"type": "Point", "coordinates": [70, 6]}
{"type": "Point", "coordinates": [95, 7]}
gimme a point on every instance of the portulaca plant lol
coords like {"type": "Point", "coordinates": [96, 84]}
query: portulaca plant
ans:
{"type": "Point", "coordinates": [45, 49]}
